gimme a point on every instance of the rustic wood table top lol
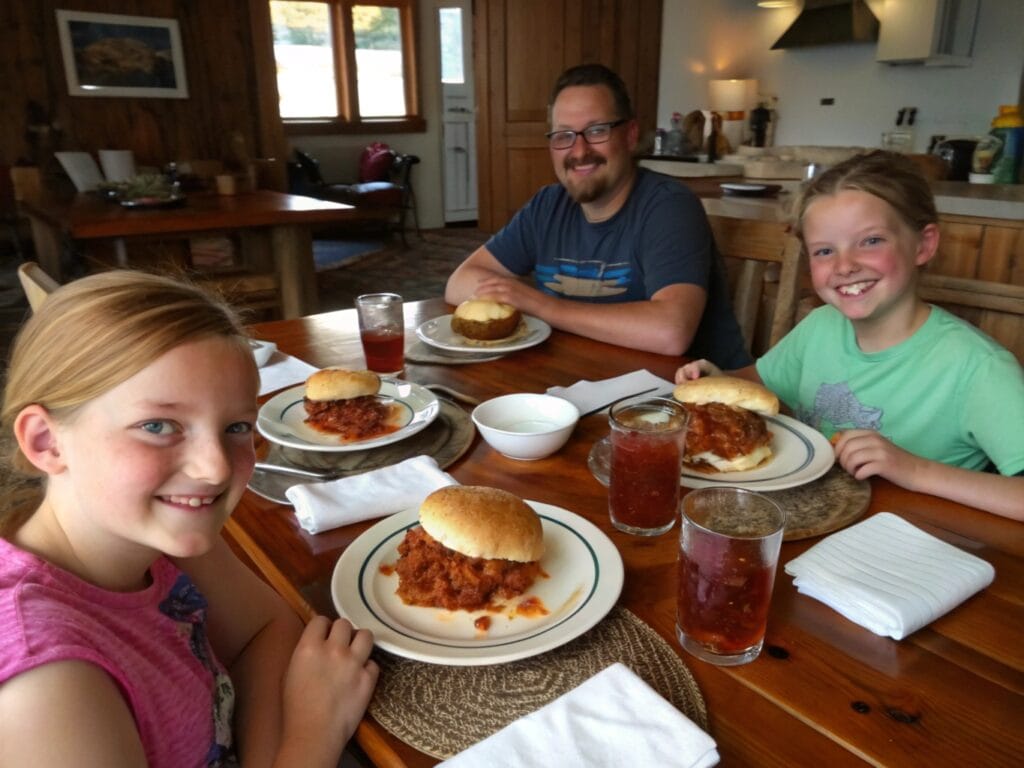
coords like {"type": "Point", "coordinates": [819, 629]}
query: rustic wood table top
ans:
{"type": "Point", "coordinates": [91, 216]}
{"type": "Point", "coordinates": [824, 691]}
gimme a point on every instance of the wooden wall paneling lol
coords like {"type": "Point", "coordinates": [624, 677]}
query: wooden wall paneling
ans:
{"type": "Point", "coordinates": [1001, 258]}
{"type": "Point", "coordinates": [220, 116]}
{"type": "Point", "coordinates": [482, 63]}
{"type": "Point", "coordinates": [534, 57]}
{"type": "Point", "coordinates": [959, 245]}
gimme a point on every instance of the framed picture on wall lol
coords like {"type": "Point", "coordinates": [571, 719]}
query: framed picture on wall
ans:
{"type": "Point", "coordinates": [113, 55]}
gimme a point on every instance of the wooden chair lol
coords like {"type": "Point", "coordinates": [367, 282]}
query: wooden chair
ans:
{"type": "Point", "coordinates": [36, 283]}
{"type": "Point", "coordinates": [995, 308]}
{"type": "Point", "coordinates": [764, 263]}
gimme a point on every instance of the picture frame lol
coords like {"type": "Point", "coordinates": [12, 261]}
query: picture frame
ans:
{"type": "Point", "coordinates": [108, 54]}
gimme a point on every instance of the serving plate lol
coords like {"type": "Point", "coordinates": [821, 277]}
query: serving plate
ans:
{"type": "Point", "coordinates": [282, 418]}
{"type": "Point", "coordinates": [800, 454]}
{"type": "Point", "coordinates": [585, 576]}
{"type": "Point", "coordinates": [438, 333]}
{"type": "Point", "coordinates": [750, 190]}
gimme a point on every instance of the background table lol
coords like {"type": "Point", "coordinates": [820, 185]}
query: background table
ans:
{"type": "Point", "coordinates": [824, 692]}
{"type": "Point", "coordinates": [276, 225]}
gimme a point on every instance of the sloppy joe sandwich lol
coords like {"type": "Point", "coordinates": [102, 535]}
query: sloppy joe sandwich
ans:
{"type": "Point", "coordinates": [727, 431]}
{"type": "Point", "coordinates": [485, 320]}
{"type": "Point", "coordinates": [474, 548]}
{"type": "Point", "coordinates": [345, 403]}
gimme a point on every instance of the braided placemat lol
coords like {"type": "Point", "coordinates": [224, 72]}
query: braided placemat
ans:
{"type": "Point", "coordinates": [442, 710]}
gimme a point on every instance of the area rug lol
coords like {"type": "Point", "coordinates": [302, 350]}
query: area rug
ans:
{"type": "Point", "coordinates": [331, 254]}
{"type": "Point", "coordinates": [417, 272]}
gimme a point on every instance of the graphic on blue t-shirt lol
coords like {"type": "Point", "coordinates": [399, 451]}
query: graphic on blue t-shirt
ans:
{"type": "Point", "coordinates": [837, 407]}
{"type": "Point", "coordinates": [584, 277]}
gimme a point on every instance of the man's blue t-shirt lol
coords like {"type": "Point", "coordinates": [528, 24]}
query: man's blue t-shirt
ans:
{"type": "Point", "coordinates": [660, 237]}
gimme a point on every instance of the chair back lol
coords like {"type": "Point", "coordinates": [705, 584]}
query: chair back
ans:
{"type": "Point", "coordinates": [995, 308]}
{"type": "Point", "coordinates": [764, 263]}
{"type": "Point", "coordinates": [36, 283]}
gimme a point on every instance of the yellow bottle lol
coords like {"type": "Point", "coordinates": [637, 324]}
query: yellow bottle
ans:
{"type": "Point", "coordinates": [1008, 125]}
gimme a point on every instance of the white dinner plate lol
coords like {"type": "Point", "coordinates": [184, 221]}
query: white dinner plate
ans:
{"type": "Point", "coordinates": [800, 454]}
{"type": "Point", "coordinates": [438, 333]}
{"type": "Point", "coordinates": [282, 418]}
{"type": "Point", "coordinates": [584, 580]}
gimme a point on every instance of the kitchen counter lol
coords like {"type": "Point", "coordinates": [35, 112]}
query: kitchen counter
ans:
{"type": "Point", "coordinates": [958, 198]}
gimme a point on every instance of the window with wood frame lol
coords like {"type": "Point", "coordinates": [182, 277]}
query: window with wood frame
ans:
{"type": "Point", "coordinates": [345, 66]}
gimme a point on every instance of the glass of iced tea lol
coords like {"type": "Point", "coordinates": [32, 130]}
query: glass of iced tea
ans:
{"type": "Point", "coordinates": [647, 440]}
{"type": "Point", "coordinates": [382, 330]}
{"type": "Point", "coordinates": [728, 549]}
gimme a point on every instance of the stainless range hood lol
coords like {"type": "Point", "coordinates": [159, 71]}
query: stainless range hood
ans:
{"type": "Point", "coordinates": [823, 22]}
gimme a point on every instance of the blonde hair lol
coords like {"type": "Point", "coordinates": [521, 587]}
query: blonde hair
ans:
{"type": "Point", "coordinates": [93, 334]}
{"type": "Point", "coordinates": [889, 176]}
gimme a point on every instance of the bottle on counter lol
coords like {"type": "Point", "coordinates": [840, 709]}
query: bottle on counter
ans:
{"type": "Point", "coordinates": [1008, 126]}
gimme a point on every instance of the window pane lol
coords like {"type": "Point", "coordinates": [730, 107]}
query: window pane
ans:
{"type": "Point", "coordinates": [378, 39]}
{"type": "Point", "coordinates": [451, 45]}
{"type": "Point", "coordinates": [305, 63]}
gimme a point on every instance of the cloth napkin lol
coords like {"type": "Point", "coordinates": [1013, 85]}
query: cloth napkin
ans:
{"type": "Point", "coordinates": [589, 396]}
{"type": "Point", "coordinates": [888, 575]}
{"type": "Point", "coordinates": [282, 371]}
{"type": "Point", "coordinates": [322, 506]}
{"type": "Point", "coordinates": [614, 719]}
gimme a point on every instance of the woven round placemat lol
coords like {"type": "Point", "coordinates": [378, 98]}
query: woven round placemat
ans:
{"type": "Point", "coordinates": [443, 710]}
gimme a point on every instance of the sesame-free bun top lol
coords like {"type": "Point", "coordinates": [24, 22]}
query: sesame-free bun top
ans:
{"type": "Point", "coordinates": [730, 391]}
{"type": "Point", "coordinates": [341, 384]}
{"type": "Point", "coordinates": [483, 310]}
{"type": "Point", "coordinates": [483, 522]}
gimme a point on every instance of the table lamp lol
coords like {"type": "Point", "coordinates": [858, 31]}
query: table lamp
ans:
{"type": "Point", "coordinates": [731, 99]}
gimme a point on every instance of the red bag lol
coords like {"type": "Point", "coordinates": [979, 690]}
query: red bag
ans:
{"type": "Point", "coordinates": [375, 162]}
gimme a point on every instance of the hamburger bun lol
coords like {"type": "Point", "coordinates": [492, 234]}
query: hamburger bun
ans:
{"type": "Point", "coordinates": [727, 431]}
{"type": "Point", "coordinates": [728, 390]}
{"type": "Point", "coordinates": [341, 384]}
{"type": "Point", "coordinates": [485, 320]}
{"type": "Point", "coordinates": [483, 522]}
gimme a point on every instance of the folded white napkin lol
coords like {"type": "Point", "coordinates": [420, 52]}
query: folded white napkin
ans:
{"type": "Point", "coordinates": [282, 371]}
{"type": "Point", "coordinates": [322, 506]}
{"type": "Point", "coordinates": [613, 719]}
{"type": "Point", "coordinates": [591, 395]}
{"type": "Point", "coordinates": [888, 575]}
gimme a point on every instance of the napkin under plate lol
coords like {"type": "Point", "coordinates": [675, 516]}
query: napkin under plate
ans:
{"type": "Point", "coordinates": [888, 575]}
{"type": "Point", "coordinates": [591, 396]}
{"type": "Point", "coordinates": [323, 506]}
{"type": "Point", "coordinates": [283, 371]}
{"type": "Point", "coordinates": [614, 719]}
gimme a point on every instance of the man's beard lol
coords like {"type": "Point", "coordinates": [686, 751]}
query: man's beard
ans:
{"type": "Point", "coordinates": [589, 189]}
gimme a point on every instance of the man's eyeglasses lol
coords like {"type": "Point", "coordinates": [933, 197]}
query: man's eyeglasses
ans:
{"type": "Point", "coordinates": [598, 133]}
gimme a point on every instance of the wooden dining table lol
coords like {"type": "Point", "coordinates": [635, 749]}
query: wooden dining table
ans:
{"type": "Point", "coordinates": [825, 691]}
{"type": "Point", "coordinates": [271, 226]}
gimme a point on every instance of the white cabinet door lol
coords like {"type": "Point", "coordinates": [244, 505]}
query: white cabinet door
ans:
{"type": "Point", "coordinates": [455, 27]}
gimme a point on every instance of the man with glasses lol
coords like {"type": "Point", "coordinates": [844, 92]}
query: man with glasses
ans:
{"type": "Point", "coordinates": [619, 253]}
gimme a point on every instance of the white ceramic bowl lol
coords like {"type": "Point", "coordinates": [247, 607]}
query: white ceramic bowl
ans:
{"type": "Point", "coordinates": [526, 426]}
{"type": "Point", "coordinates": [262, 351]}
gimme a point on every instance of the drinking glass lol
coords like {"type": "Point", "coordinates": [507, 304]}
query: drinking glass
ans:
{"type": "Point", "coordinates": [647, 440]}
{"type": "Point", "coordinates": [382, 331]}
{"type": "Point", "coordinates": [728, 548]}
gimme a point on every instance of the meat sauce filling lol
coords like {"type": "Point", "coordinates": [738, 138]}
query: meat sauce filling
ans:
{"type": "Point", "coordinates": [724, 430]}
{"type": "Point", "coordinates": [431, 575]}
{"type": "Point", "coordinates": [357, 419]}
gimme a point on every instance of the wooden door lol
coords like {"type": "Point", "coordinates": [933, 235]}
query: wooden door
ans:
{"type": "Point", "coordinates": [521, 48]}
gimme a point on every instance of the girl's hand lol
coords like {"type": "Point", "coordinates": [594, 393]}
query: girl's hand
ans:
{"type": "Point", "coordinates": [865, 453]}
{"type": "Point", "coordinates": [697, 369]}
{"type": "Point", "coordinates": [327, 686]}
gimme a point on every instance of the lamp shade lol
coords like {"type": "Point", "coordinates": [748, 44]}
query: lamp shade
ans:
{"type": "Point", "coordinates": [731, 95]}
